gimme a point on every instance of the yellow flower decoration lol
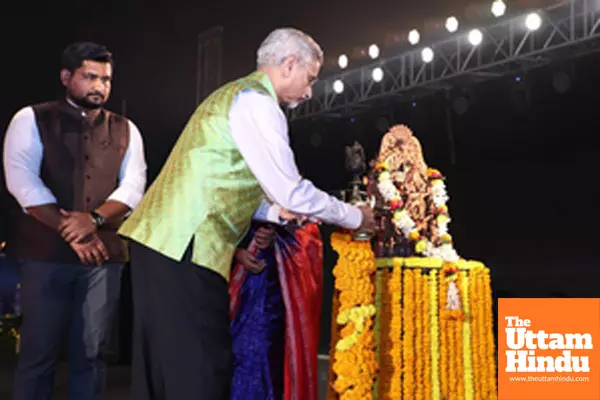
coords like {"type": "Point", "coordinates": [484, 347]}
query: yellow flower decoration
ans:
{"type": "Point", "coordinates": [384, 176]}
{"type": "Point", "coordinates": [421, 246]}
{"type": "Point", "coordinates": [414, 235]}
{"type": "Point", "coordinates": [354, 362]}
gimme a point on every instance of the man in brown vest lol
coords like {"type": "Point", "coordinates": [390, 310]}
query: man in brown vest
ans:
{"type": "Point", "coordinates": [76, 170]}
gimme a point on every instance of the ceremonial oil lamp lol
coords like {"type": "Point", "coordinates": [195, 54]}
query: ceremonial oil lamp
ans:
{"type": "Point", "coordinates": [356, 164]}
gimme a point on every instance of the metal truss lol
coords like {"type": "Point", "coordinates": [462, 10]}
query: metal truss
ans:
{"type": "Point", "coordinates": [568, 29]}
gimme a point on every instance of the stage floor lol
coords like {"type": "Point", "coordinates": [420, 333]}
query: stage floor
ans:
{"type": "Point", "coordinates": [118, 377]}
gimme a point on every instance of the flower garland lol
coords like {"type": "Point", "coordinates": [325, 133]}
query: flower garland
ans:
{"type": "Point", "coordinates": [354, 363]}
{"type": "Point", "coordinates": [427, 306]}
{"type": "Point", "coordinates": [405, 224]}
{"type": "Point", "coordinates": [482, 336]}
{"type": "Point", "coordinates": [408, 353]}
{"type": "Point", "coordinates": [466, 342]}
{"type": "Point", "coordinates": [444, 341]}
{"type": "Point", "coordinates": [442, 310]}
{"type": "Point", "coordinates": [435, 334]}
{"type": "Point", "coordinates": [395, 351]}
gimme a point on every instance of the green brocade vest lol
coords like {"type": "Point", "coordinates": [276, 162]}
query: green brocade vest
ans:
{"type": "Point", "coordinates": [205, 190]}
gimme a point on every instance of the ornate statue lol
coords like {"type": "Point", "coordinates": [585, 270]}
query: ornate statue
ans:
{"type": "Point", "coordinates": [401, 151]}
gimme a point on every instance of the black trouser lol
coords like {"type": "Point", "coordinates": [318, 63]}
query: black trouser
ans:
{"type": "Point", "coordinates": [181, 339]}
{"type": "Point", "coordinates": [65, 301]}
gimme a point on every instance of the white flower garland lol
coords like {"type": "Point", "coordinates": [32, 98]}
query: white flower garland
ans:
{"type": "Point", "coordinates": [405, 224]}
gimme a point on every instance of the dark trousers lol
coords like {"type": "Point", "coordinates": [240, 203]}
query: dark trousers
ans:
{"type": "Point", "coordinates": [65, 301]}
{"type": "Point", "coordinates": [181, 339]}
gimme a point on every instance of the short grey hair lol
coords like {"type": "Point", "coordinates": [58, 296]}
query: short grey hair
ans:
{"type": "Point", "coordinates": [285, 42]}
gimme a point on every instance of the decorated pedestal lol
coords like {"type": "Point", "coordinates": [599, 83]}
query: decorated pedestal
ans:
{"type": "Point", "coordinates": [410, 328]}
{"type": "Point", "coordinates": [411, 318]}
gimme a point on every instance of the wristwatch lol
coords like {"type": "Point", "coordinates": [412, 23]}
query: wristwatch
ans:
{"type": "Point", "coordinates": [98, 219]}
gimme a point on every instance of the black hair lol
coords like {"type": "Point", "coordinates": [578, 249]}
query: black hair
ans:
{"type": "Point", "coordinates": [76, 53]}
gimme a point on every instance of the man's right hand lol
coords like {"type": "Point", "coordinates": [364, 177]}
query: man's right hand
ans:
{"type": "Point", "coordinates": [290, 216]}
{"type": "Point", "coordinates": [368, 218]}
{"type": "Point", "coordinates": [91, 251]}
{"type": "Point", "coordinates": [300, 219]}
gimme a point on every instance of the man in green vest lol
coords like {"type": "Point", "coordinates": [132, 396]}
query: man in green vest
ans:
{"type": "Point", "coordinates": [232, 163]}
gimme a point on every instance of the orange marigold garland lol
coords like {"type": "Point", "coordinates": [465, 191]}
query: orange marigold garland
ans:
{"type": "Point", "coordinates": [408, 356]}
{"type": "Point", "coordinates": [354, 361]}
{"type": "Point", "coordinates": [476, 331]}
{"type": "Point", "coordinates": [444, 367]}
{"type": "Point", "coordinates": [426, 326]}
{"type": "Point", "coordinates": [491, 390]}
{"type": "Point", "coordinates": [419, 351]}
{"type": "Point", "coordinates": [390, 335]}
{"type": "Point", "coordinates": [458, 344]}
{"type": "Point", "coordinates": [395, 349]}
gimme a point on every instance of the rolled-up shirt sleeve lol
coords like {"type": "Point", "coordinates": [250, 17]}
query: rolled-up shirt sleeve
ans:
{"type": "Point", "coordinates": [23, 154]}
{"type": "Point", "coordinates": [132, 173]}
{"type": "Point", "coordinates": [259, 128]}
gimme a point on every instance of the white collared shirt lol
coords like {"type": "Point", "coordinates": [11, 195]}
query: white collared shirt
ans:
{"type": "Point", "coordinates": [24, 151]}
{"type": "Point", "coordinates": [259, 128]}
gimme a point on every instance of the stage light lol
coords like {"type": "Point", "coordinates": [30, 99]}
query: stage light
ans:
{"type": "Point", "coordinates": [498, 8]}
{"type": "Point", "coordinates": [373, 51]}
{"type": "Point", "coordinates": [475, 37]}
{"type": "Point", "coordinates": [427, 55]}
{"type": "Point", "coordinates": [343, 61]}
{"type": "Point", "coordinates": [377, 74]}
{"type": "Point", "coordinates": [338, 86]}
{"type": "Point", "coordinates": [452, 24]}
{"type": "Point", "coordinates": [533, 21]}
{"type": "Point", "coordinates": [414, 37]}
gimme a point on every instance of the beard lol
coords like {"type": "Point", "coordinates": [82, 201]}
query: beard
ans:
{"type": "Point", "coordinates": [292, 105]}
{"type": "Point", "coordinates": [86, 102]}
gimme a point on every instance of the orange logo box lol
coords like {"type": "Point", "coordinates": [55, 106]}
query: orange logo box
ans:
{"type": "Point", "coordinates": [549, 349]}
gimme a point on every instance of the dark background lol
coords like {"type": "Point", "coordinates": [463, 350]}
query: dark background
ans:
{"type": "Point", "coordinates": [523, 186]}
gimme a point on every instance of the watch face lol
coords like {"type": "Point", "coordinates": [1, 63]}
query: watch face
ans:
{"type": "Point", "coordinates": [98, 219]}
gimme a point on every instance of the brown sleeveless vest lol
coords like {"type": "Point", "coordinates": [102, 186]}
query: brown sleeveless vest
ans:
{"type": "Point", "coordinates": [81, 164]}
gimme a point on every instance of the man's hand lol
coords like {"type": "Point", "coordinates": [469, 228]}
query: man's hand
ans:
{"type": "Point", "coordinates": [368, 218]}
{"type": "Point", "coordinates": [290, 216]}
{"type": "Point", "coordinates": [264, 237]}
{"type": "Point", "coordinates": [249, 261]}
{"type": "Point", "coordinates": [300, 219]}
{"type": "Point", "coordinates": [91, 251]}
{"type": "Point", "coordinates": [76, 226]}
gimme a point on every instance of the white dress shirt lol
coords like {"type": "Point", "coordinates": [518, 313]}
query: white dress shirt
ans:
{"type": "Point", "coordinates": [259, 128]}
{"type": "Point", "coordinates": [24, 151]}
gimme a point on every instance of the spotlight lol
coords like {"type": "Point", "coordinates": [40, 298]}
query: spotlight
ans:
{"type": "Point", "coordinates": [475, 37]}
{"type": "Point", "coordinates": [373, 51]}
{"type": "Point", "coordinates": [414, 37]}
{"type": "Point", "coordinates": [377, 74]}
{"type": "Point", "coordinates": [452, 24]}
{"type": "Point", "coordinates": [338, 86]}
{"type": "Point", "coordinates": [343, 61]}
{"type": "Point", "coordinates": [427, 55]}
{"type": "Point", "coordinates": [533, 21]}
{"type": "Point", "coordinates": [498, 8]}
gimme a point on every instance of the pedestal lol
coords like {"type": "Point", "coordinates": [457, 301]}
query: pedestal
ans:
{"type": "Point", "coordinates": [425, 344]}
